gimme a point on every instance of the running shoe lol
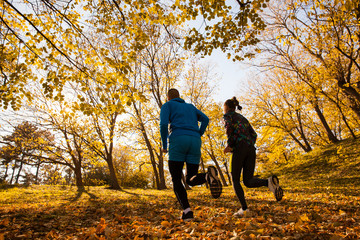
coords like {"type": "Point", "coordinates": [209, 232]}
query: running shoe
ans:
{"type": "Point", "coordinates": [214, 182]}
{"type": "Point", "coordinates": [188, 216]}
{"type": "Point", "coordinates": [275, 188]}
{"type": "Point", "coordinates": [241, 213]}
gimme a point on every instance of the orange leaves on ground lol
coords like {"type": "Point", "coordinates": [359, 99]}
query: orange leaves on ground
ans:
{"type": "Point", "coordinates": [166, 224]}
{"type": "Point", "coordinates": [128, 216]}
{"type": "Point", "coordinates": [4, 222]}
{"type": "Point", "coordinates": [100, 229]}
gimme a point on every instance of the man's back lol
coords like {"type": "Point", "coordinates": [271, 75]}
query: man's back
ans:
{"type": "Point", "coordinates": [183, 119]}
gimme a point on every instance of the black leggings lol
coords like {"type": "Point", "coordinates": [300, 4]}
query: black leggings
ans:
{"type": "Point", "coordinates": [192, 178]}
{"type": "Point", "coordinates": [243, 158]}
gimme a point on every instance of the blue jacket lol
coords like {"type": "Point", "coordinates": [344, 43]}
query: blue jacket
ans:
{"type": "Point", "coordinates": [183, 119]}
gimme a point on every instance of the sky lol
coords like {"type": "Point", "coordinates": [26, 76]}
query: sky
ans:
{"type": "Point", "coordinates": [233, 76]}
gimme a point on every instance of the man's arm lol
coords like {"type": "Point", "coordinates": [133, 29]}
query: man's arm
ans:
{"type": "Point", "coordinates": [164, 121]}
{"type": "Point", "coordinates": [204, 121]}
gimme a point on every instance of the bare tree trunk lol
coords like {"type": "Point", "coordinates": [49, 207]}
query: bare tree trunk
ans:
{"type": "Point", "coordinates": [153, 164]}
{"type": "Point", "coordinates": [37, 173]}
{"type": "Point", "coordinates": [330, 134]}
{"type": "Point", "coordinates": [204, 171]}
{"type": "Point", "coordinates": [305, 148]}
{"type": "Point", "coordinates": [301, 130]}
{"type": "Point", "coordinates": [6, 172]}
{"type": "Point", "coordinates": [18, 175]}
{"type": "Point", "coordinates": [13, 173]}
{"type": "Point", "coordinates": [227, 172]}
{"type": "Point", "coordinates": [352, 95]}
{"type": "Point", "coordinates": [149, 147]}
{"type": "Point", "coordinates": [78, 176]}
{"type": "Point", "coordinates": [341, 112]}
{"type": "Point", "coordinates": [162, 182]}
{"type": "Point", "coordinates": [114, 184]}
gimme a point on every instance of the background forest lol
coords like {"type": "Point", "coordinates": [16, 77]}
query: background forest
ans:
{"type": "Point", "coordinates": [82, 83]}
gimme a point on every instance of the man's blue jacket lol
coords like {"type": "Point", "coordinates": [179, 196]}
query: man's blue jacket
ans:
{"type": "Point", "coordinates": [183, 118]}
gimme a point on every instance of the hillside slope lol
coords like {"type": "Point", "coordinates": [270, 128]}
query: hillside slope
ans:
{"type": "Point", "coordinates": [336, 165]}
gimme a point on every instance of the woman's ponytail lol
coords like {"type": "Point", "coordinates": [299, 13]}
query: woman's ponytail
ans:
{"type": "Point", "coordinates": [233, 104]}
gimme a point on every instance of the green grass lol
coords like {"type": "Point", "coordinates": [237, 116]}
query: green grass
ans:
{"type": "Point", "coordinates": [337, 165]}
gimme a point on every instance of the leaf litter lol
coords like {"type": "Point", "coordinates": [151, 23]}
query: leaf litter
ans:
{"type": "Point", "coordinates": [309, 213]}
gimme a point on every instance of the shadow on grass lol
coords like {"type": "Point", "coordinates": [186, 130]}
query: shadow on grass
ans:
{"type": "Point", "coordinates": [80, 192]}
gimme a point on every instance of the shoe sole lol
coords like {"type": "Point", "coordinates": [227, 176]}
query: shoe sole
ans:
{"type": "Point", "coordinates": [279, 192]}
{"type": "Point", "coordinates": [188, 219]}
{"type": "Point", "coordinates": [215, 184]}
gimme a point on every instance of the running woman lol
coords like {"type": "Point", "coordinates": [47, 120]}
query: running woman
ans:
{"type": "Point", "coordinates": [241, 141]}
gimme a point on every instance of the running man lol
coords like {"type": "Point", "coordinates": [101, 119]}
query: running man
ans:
{"type": "Point", "coordinates": [185, 147]}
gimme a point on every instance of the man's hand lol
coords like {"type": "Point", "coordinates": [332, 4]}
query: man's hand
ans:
{"type": "Point", "coordinates": [164, 151]}
{"type": "Point", "coordinates": [228, 149]}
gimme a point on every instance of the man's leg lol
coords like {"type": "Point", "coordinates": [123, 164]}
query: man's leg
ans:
{"type": "Point", "coordinates": [194, 178]}
{"type": "Point", "coordinates": [192, 162]}
{"type": "Point", "coordinates": [178, 149]}
{"type": "Point", "coordinates": [175, 169]}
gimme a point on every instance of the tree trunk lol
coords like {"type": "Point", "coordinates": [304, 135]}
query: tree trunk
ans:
{"type": "Point", "coordinates": [204, 171]}
{"type": "Point", "coordinates": [153, 163]}
{"type": "Point", "coordinates": [18, 175]}
{"type": "Point", "coordinates": [227, 172]}
{"type": "Point", "coordinates": [351, 94]}
{"type": "Point", "coordinates": [114, 184]}
{"type": "Point", "coordinates": [13, 173]}
{"type": "Point", "coordinates": [78, 178]}
{"type": "Point", "coordinates": [37, 173]}
{"type": "Point", "coordinates": [149, 147]}
{"type": "Point", "coordinates": [306, 149]}
{"type": "Point", "coordinates": [330, 134]}
{"type": "Point", "coordinates": [6, 171]}
{"type": "Point", "coordinates": [162, 182]}
{"type": "Point", "coordinates": [301, 130]}
{"type": "Point", "coordinates": [341, 112]}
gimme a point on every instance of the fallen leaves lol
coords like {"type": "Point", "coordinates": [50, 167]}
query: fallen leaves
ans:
{"type": "Point", "coordinates": [128, 215]}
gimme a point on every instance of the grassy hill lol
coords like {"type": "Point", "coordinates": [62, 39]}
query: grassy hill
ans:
{"type": "Point", "coordinates": [337, 165]}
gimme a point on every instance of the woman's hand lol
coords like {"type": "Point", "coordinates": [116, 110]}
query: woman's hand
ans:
{"type": "Point", "coordinates": [228, 149]}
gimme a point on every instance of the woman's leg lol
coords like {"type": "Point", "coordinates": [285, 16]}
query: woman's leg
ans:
{"type": "Point", "coordinates": [236, 165]}
{"type": "Point", "coordinates": [249, 168]}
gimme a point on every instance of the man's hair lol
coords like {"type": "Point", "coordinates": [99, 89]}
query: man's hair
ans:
{"type": "Point", "coordinates": [173, 93]}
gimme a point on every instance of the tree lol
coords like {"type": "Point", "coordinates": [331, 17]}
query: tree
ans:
{"type": "Point", "coordinates": [200, 84]}
{"type": "Point", "coordinates": [157, 69]}
{"type": "Point", "coordinates": [232, 27]}
{"type": "Point", "coordinates": [328, 33]}
{"type": "Point", "coordinates": [27, 145]}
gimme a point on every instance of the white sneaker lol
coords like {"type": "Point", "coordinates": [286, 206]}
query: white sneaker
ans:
{"type": "Point", "coordinates": [273, 184]}
{"type": "Point", "coordinates": [241, 213]}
